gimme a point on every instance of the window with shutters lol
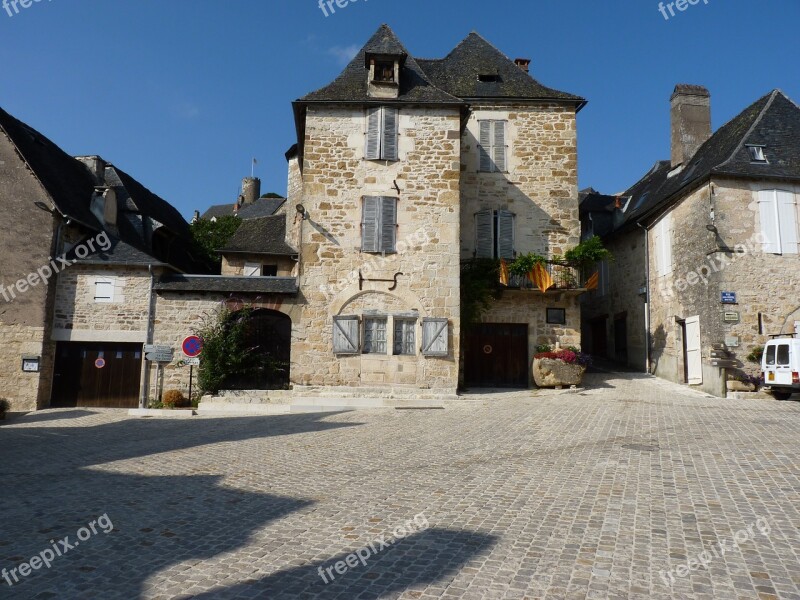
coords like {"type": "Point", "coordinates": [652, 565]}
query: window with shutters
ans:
{"type": "Point", "coordinates": [778, 213]}
{"type": "Point", "coordinates": [104, 290]}
{"type": "Point", "coordinates": [435, 337]}
{"type": "Point", "coordinates": [662, 240]}
{"type": "Point", "coordinates": [493, 149]}
{"type": "Point", "coordinates": [346, 335]}
{"type": "Point", "coordinates": [374, 335]}
{"type": "Point", "coordinates": [382, 133]}
{"type": "Point", "coordinates": [379, 224]}
{"type": "Point", "coordinates": [252, 269]}
{"type": "Point", "coordinates": [494, 234]}
{"type": "Point", "coordinates": [405, 337]}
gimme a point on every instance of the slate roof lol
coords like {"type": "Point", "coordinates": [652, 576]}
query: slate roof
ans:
{"type": "Point", "coordinates": [773, 120]}
{"type": "Point", "coordinates": [150, 204]}
{"type": "Point", "coordinates": [266, 235]}
{"type": "Point", "coordinates": [458, 73]}
{"type": "Point", "coordinates": [352, 85]}
{"type": "Point", "coordinates": [263, 207]}
{"type": "Point", "coordinates": [217, 283]}
{"type": "Point", "coordinates": [67, 180]}
{"type": "Point", "coordinates": [119, 253]}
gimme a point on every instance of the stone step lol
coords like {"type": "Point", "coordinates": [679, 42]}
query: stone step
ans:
{"type": "Point", "coordinates": [231, 409]}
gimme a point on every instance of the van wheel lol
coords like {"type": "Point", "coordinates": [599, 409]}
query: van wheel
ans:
{"type": "Point", "coordinates": [782, 395]}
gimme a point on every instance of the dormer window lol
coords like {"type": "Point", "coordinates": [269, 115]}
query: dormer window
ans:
{"type": "Point", "coordinates": [757, 154]}
{"type": "Point", "coordinates": [384, 72]}
{"type": "Point", "coordinates": [489, 78]}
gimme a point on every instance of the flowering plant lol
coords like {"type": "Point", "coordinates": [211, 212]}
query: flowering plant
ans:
{"type": "Point", "coordinates": [571, 357]}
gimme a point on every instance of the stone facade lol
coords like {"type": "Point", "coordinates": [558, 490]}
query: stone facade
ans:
{"type": "Point", "coordinates": [233, 264]}
{"type": "Point", "coordinates": [335, 178]}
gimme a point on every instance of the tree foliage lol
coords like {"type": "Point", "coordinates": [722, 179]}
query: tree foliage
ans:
{"type": "Point", "coordinates": [209, 236]}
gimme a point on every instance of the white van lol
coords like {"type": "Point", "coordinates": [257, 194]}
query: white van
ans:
{"type": "Point", "coordinates": [780, 365]}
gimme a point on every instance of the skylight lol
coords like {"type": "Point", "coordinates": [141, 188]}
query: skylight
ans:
{"type": "Point", "coordinates": [757, 154]}
{"type": "Point", "coordinates": [489, 78]}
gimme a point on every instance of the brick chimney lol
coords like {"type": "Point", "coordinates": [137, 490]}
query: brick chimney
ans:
{"type": "Point", "coordinates": [691, 121]}
{"type": "Point", "coordinates": [524, 64]}
{"type": "Point", "coordinates": [251, 190]}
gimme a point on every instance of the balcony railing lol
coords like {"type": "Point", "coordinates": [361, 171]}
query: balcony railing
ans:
{"type": "Point", "coordinates": [565, 277]}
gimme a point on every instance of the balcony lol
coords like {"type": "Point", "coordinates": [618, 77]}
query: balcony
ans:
{"type": "Point", "coordinates": [566, 278]}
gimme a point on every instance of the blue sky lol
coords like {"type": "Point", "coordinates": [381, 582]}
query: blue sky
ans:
{"type": "Point", "coordinates": [183, 93]}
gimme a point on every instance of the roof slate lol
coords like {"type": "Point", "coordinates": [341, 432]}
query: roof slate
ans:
{"type": "Point", "coordinates": [216, 283]}
{"type": "Point", "coordinates": [265, 235]}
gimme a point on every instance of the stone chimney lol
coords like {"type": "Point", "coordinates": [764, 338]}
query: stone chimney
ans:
{"type": "Point", "coordinates": [524, 64]}
{"type": "Point", "coordinates": [251, 190]}
{"type": "Point", "coordinates": [691, 121]}
{"type": "Point", "coordinates": [96, 166]}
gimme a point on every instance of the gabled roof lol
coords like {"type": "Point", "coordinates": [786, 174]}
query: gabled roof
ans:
{"type": "Point", "coordinates": [149, 204]}
{"type": "Point", "coordinates": [266, 235]}
{"type": "Point", "coordinates": [773, 121]}
{"type": "Point", "coordinates": [219, 210]}
{"type": "Point", "coordinates": [352, 84]}
{"type": "Point", "coordinates": [262, 207]}
{"type": "Point", "coordinates": [65, 179]}
{"type": "Point", "coordinates": [118, 253]}
{"type": "Point", "coordinates": [458, 74]}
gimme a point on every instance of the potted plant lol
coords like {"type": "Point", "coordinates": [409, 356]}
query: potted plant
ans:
{"type": "Point", "coordinates": [5, 406]}
{"type": "Point", "coordinates": [175, 399]}
{"type": "Point", "coordinates": [559, 368]}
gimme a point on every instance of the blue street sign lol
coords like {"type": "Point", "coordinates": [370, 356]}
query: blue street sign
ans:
{"type": "Point", "coordinates": [729, 297]}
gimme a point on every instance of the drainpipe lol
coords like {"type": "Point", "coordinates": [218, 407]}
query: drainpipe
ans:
{"type": "Point", "coordinates": [148, 340]}
{"type": "Point", "coordinates": [646, 293]}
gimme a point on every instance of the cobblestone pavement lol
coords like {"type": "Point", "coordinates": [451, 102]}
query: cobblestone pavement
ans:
{"type": "Point", "coordinates": [614, 492]}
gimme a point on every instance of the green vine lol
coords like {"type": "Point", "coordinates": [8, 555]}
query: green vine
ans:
{"type": "Point", "coordinates": [588, 253]}
{"type": "Point", "coordinates": [225, 354]}
{"type": "Point", "coordinates": [480, 285]}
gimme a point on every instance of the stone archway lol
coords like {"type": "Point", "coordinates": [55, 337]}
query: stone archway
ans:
{"type": "Point", "coordinates": [268, 336]}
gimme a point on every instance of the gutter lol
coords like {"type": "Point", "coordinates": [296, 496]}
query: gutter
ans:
{"type": "Point", "coordinates": [149, 340]}
{"type": "Point", "coordinates": [647, 294]}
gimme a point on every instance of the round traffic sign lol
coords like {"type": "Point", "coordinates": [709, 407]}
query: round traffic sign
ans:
{"type": "Point", "coordinates": [100, 363]}
{"type": "Point", "coordinates": [192, 346]}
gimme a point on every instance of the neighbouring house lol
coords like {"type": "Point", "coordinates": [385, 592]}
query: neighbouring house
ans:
{"type": "Point", "coordinates": [706, 246]}
{"type": "Point", "coordinates": [250, 204]}
{"type": "Point", "coordinates": [76, 271]}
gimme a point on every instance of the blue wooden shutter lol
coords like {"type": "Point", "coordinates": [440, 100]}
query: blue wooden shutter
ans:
{"type": "Point", "coordinates": [372, 149]}
{"type": "Point", "coordinates": [389, 141]}
{"type": "Point", "coordinates": [388, 224]}
{"type": "Point", "coordinates": [370, 219]}
{"type": "Point", "coordinates": [435, 337]}
{"type": "Point", "coordinates": [499, 146]}
{"type": "Point", "coordinates": [345, 335]}
{"type": "Point", "coordinates": [505, 234]}
{"type": "Point", "coordinates": [485, 146]}
{"type": "Point", "coordinates": [484, 234]}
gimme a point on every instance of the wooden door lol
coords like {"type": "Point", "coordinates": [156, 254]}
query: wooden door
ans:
{"type": "Point", "coordinates": [694, 354]}
{"type": "Point", "coordinates": [497, 355]}
{"type": "Point", "coordinates": [99, 374]}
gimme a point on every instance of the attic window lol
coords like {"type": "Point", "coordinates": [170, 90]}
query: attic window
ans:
{"type": "Point", "coordinates": [384, 71]}
{"type": "Point", "coordinates": [757, 154]}
{"type": "Point", "coordinates": [489, 78]}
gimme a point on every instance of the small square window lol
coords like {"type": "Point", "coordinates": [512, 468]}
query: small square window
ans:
{"type": "Point", "coordinates": [556, 316]}
{"type": "Point", "coordinates": [757, 153]}
{"type": "Point", "coordinates": [489, 78]}
{"type": "Point", "coordinates": [374, 335]}
{"type": "Point", "coordinates": [269, 271]}
{"type": "Point", "coordinates": [384, 72]}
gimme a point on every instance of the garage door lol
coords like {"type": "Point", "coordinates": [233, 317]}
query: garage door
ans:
{"type": "Point", "coordinates": [497, 355]}
{"type": "Point", "coordinates": [103, 375]}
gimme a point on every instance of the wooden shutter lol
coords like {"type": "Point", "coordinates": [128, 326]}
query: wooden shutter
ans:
{"type": "Point", "coordinates": [388, 224]}
{"type": "Point", "coordinates": [370, 219]}
{"type": "Point", "coordinates": [694, 353]}
{"type": "Point", "coordinates": [389, 141]}
{"type": "Point", "coordinates": [373, 142]}
{"type": "Point", "coordinates": [484, 234]}
{"type": "Point", "coordinates": [345, 335]}
{"type": "Point", "coordinates": [499, 146]}
{"type": "Point", "coordinates": [767, 204]}
{"type": "Point", "coordinates": [485, 146]}
{"type": "Point", "coordinates": [252, 269]}
{"type": "Point", "coordinates": [435, 337]}
{"type": "Point", "coordinates": [787, 219]}
{"type": "Point", "coordinates": [505, 234]}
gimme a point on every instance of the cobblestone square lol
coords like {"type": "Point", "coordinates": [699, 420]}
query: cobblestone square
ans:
{"type": "Point", "coordinates": [634, 488]}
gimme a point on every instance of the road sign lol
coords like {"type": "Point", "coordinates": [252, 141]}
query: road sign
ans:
{"type": "Point", "coordinates": [192, 362]}
{"type": "Point", "coordinates": [192, 346]}
{"type": "Point", "coordinates": [728, 297]}
{"type": "Point", "coordinates": [731, 317]}
{"type": "Point", "coordinates": [725, 364]}
{"type": "Point", "coordinates": [150, 349]}
{"type": "Point", "coordinates": [100, 363]}
{"type": "Point", "coordinates": [720, 354]}
{"type": "Point", "coordinates": [160, 357]}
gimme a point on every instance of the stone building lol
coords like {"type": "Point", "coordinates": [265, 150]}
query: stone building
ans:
{"type": "Point", "coordinates": [706, 245]}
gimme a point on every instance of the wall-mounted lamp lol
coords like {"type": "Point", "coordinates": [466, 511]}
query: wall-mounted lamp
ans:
{"type": "Point", "coordinates": [712, 228]}
{"type": "Point", "coordinates": [301, 210]}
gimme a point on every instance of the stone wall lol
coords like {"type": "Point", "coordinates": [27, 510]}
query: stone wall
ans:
{"type": "Point", "coordinates": [335, 178]}
{"type": "Point", "coordinates": [233, 264]}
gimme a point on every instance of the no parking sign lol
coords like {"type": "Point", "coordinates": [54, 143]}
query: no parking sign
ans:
{"type": "Point", "coordinates": [192, 346]}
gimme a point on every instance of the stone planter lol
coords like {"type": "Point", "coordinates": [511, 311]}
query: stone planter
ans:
{"type": "Point", "coordinates": [740, 386]}
{"type": "Point", "coordinates": [550, 372]}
